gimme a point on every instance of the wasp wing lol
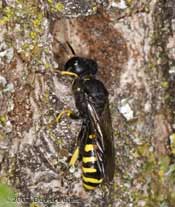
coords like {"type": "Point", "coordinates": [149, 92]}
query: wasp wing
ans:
{"type": "Point", "coordinates": [104, 139]}
{"type": "Point", "coordinates": [106, 125]}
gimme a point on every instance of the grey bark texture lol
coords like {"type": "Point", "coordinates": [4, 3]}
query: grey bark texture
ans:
{"type": "Point", "coordinates": [133, 43]}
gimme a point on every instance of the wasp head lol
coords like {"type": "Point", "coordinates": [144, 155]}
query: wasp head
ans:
{"type": "Point", "coordinates": [81, 66]}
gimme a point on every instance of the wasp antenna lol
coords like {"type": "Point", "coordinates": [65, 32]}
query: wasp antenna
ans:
{"type": "Point", "coordinates": [71, 48]}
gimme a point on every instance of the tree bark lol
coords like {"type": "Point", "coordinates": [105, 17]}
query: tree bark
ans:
{"type": "Point", "coordinates": [133, 44]}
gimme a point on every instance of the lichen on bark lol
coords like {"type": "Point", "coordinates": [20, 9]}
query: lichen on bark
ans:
{"type": "Point", "coordinates": [132, 42]}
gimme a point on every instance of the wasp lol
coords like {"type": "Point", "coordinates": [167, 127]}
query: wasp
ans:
{"type": "Point", "coordinates": [94, 147]}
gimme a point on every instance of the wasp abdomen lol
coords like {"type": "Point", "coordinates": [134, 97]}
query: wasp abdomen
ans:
{"type": "Point", "coordinates": [91, 174]}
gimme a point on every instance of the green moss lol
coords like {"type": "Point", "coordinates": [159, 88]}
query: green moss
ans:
{"type": "Point", "coordinates": [129, 2]}
{"type": "Point", "coordinates": [3, 119]}
{"type": "Point", "coordinates": [50, 1]}
{"type": "Point", "coordinates": [55, 7]}
{"type": "Point", "coordinates": [164, 84]}
{"type": "Point", "coordinates": [26, 21]}
{"type": "Point", "coordinates": [7, 196]}
{"type": "Point", "coordinates": [156, 177]}
{"type": "Point", "coordinates": [33, 204]}
{"type": "Point", "coordinates": [33, 35]}
{"type": "Point", "coordinates": [59, 7]}
{"type": "Point", "coordinates": [47, 66]}
{"type": "Point", "coordinates": [37, 22]}
{"type": "Point", "coordinates": [8, 14]}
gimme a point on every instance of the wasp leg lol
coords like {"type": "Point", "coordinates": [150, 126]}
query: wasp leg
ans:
{"type": "Point", "coordinates": [80, 145]}
{"type": "Point", "coordinates": [69, 113]}
{"type": "Point", "coordinates": [74, 157]}
{"type": "Point", "coordinates": [58, 118]}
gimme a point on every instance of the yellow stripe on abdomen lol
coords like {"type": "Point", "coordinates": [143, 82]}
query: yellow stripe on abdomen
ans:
{"type": "Point", "coordinates": [89, 170]}
{"type": "Point", "coordinates": [92, 180]}
{"type": "Point", "coordinates": [88, 187]}
{"type": "Point", "coordinates": [89, 147]}
{"type": "Point", "coordinates": [89, 159]}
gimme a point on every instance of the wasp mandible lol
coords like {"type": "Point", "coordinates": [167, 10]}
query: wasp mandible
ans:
{"type": "Point", "coordinates": [95, 147]}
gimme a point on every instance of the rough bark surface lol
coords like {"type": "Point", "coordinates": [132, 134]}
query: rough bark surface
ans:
{"type": "Point", "coordinates": [133, 43]}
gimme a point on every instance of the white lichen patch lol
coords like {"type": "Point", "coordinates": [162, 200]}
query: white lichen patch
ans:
{"type": "Point", "coordinates": [5, 86]}
{"type": "Point", "coordinates": [8, 127]}
{"type": "Point", "coordinates": [6, 54]}
{"type": "Point", "coordinates": [171, 47]}
{"type": "Point", "coordinates": [78, 173]}
{"type": "Point", "coordinates": [28, 137]}
{"type": "Point", "coordinates": [125, 109]}
{"type": "Point", "coordinates": [172, 143]}
{"type": "Point", "coordinates": [9, 88]}
{"type": "Point", "coordinates": [72, 169]}
{"type": "Point", "coordinates": [172, 70]}
{"type": "Point", "coordinates": [121, 4]}
{"type": "Point", "coordinates": [147, 107]}
{"type": "Point", "coordinates": [3, 81]}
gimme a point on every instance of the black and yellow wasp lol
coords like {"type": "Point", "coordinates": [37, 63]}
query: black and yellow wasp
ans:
{"type": "Point", "coordinates": [95, 147]}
